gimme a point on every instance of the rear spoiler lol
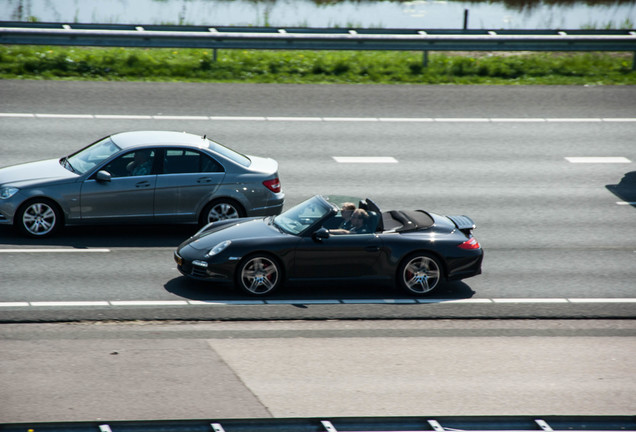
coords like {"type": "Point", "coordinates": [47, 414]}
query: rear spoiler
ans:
{"type": "Point", "coordinates": [463, 223]}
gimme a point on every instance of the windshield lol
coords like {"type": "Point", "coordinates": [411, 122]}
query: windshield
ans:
{"type": "Point", "coordinates": [91, 156]}
{"type": "Point", "coordinates": [230, 154]}
{"type": "Point", "coordinates": [299, 218]}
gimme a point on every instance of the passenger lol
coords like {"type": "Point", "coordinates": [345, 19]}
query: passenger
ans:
{"type": "Point", "coordinates": [359, 224]}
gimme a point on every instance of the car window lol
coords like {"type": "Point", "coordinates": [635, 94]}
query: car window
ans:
{"type": "Point", "coordinates": [230, 154]}
{"type": "Point", "coordinates": [135, 163]}
{"type": "Point", "coordinates": [91, 156]}
{"type": "Point", "coordinates": [180, 161]}
{"type": "Point", "coordinates": [302, 216]}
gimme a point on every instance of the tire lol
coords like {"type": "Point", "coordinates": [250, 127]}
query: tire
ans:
{"type": "Point", "coordinates": [221, 209]}
{"type": "Point", "coordinates": [38, 218]}
{"type": "Point", "coordinates": [259, 275]}
{"type": "Point", "coordinates": [420, 273]}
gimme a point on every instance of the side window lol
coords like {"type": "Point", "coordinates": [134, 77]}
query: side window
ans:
{"type": "Point", "coordinates": [178, 161]}
{"type": "Point", "coordinates": [136, 163]}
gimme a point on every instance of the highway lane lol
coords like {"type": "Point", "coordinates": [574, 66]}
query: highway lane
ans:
{"type": "Point", "coordinates": [550, 228]}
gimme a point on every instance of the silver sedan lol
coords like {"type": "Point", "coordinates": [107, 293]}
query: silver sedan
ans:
{"type": "Point", "coordinates": [139, 177]}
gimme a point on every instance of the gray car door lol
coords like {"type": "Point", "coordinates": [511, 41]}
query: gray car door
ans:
{"type": "Point", "coordinates": [128, 196]}
{"type": "Point", "coordinates": [188, 181]}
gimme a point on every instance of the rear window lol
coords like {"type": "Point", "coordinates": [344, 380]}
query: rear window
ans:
{"type": "Point", "coordinates": [230, 154]}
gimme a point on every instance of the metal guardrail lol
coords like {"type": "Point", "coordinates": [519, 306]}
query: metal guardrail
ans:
{"type": "Point", "coordinates": [385, 424]}
{"type": "Point", "coordinates": [171, 36]}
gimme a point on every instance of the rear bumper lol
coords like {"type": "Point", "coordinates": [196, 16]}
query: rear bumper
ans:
{"type": "Point", "coordinates": [466, 267]}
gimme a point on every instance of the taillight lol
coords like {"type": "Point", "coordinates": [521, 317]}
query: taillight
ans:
{"type": "Point", "coordinates": [471, 243]}
{"type": "Point", "coordinates": [273, 185]}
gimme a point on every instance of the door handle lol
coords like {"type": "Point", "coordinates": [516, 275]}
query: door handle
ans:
{"type": "Point", "coordinates": [142, 184]}
{"type": "Point", "coordinates": [204, 180]}
{"type": "Point", "coordinates": [372, 248]}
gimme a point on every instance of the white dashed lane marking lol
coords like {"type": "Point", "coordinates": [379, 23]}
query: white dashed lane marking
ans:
{"type": "Point", "coordinates": [365, 159]}
{"type": "Point", "coordinates": [604, 159]}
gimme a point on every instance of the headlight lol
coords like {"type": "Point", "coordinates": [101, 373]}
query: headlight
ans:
{"type": "Point", "coordinates": [8, 192]}
{"type": "Point", "coordinates": [218, 248]}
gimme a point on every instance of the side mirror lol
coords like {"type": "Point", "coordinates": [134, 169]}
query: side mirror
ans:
{"type": "Point", "coordinates": [103, 176]}
{"type": "Point", "coordinates": [321, 234]}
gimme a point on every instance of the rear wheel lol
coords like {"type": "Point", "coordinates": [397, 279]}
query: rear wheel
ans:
{"type": "Point", "coordinates": [38, 218]}
{"type": "Point", "coordinates": [420, 273]}
{"type": "Point", "coordinates": [221, 209]}
{"type": "Point", "coordinates": [259, 275]}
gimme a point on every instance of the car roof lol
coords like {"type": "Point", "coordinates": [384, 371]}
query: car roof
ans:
{"type": "Point", "coordinates": [126, 140]}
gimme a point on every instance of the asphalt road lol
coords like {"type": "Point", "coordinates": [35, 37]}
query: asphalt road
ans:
{"type": "Point", "coordinates": [559, 240]}
{"type": "Point", "coordinates": [559, 236]}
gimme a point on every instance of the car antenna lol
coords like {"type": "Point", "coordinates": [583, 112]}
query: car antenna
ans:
{"type": "Point", "coordinates": [205, 135]}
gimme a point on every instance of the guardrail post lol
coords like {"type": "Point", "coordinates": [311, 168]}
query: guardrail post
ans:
{"type": "Point", "coordinates": [634, 61]}
{"type": "Point", "coordinates": [425, 58]}
{"type": "Point", "coordinates": [214, 55]}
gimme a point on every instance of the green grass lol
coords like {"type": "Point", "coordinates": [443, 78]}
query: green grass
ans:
{"type": "Point", "coordinates": [318, 67]}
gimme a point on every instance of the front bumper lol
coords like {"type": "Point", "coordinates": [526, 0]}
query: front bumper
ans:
{"type": "Point", "coordinates": [203, 270]}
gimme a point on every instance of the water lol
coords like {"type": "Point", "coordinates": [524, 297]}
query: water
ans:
{"type": "Point", "coordinates": [511, 14]}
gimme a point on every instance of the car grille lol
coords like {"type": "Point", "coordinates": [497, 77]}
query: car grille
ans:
{"type": "Point", "coordinates": [198, 271]}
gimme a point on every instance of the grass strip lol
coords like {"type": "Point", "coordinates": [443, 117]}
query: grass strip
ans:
{"type": "Point", "coordinates": [314, 67]}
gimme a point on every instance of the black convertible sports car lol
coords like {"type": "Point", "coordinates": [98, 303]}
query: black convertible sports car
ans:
{"type": "Point", "coordinates": [330, 237]}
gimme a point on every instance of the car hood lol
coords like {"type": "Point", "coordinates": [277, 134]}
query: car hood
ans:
{"type": "Point", "coordinates": [241, 229]}
{"type": "Point", "coordinates": [33, 173]}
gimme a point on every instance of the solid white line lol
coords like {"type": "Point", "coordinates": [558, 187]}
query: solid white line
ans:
{"type": "Point", "coordinates": [123, 117]}
{"type": "Point", "coordinates": [632, 203]}
{"type": "Point", "coordinates": [293, 119]}
{"type": "Point", "coordinates": [350, 119]}
{"type": "Point", "coordinates": [17, 115]}
{"type": "Point", "coordinates": [405, 119]}
{"type": "Point", "coordinates": [611, 159]}
{"type": "Point", "coordinates": [379, 301]}
{"type": "Point", "coordinates": [462, 120]}
{"type": "Point", "coordinates": [467, 301]}
{"type": "Point", "coordinates": [14, 304]}
{"type": "Point", "coordinates": [518, 120]}
{"type": "Point", "coordinates": [162, 117]}
{"type": "Point", "coordinates": [326, 119]}
{"type": "Point", "coordinates": [226, 302]}
{"type": "Point", "coordinates": [499, 301]}
{"type": "Point", "coordinates": [54, 250]}
{"type": "Point", "coordinates": [602, 300]}
{"type": "Point", "coordinates": [224, 118]}
{"type": "Point", "coordinates": [530, 300]}
{"type": "Point", "coordinates": [149, 303]}
{"type": "Point", "coordinates": [574, 120]}
{"type": "Point", "coordinates": [69, 303]}
{"type": "Point", "coordinates": [65, 116]}
{"type": "Point", "coordinates": [364, 159]}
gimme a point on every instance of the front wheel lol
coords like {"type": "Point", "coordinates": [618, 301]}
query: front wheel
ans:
{"type": "Point", "coordinates": [259, 275]}
{"type": "Point", "coordinates": [420, 273]}
{"type": "Point", "coordinates": [38, 218]}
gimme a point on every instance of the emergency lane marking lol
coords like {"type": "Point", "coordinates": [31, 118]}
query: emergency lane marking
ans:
{"type": "Point", "coordinates": [317, 118]}
{"type": "Point", "coordinates": [364, 159]}
{"type": "Point", "coordinates": [404, 301]}
{"type": "Point", "coordinates": [43, 250]}
{"type": "Point", "coordinates": [592, 159]}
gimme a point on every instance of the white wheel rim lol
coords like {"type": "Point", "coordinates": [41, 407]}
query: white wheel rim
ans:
{"type": "Point", "coordinates": [222, 211]}
{"type": "Point", "coordinates": [259, 275]}
{"type": "Point", "coordinates": [39, 219]}
{"type": "Point", "coordinates": [421, 275]}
